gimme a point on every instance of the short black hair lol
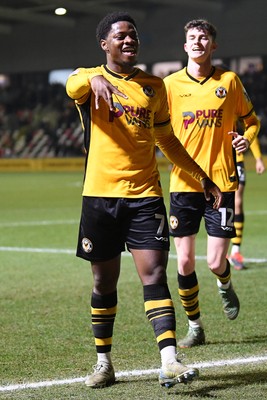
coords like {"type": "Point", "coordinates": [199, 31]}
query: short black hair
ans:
{"type": "Point", "coordinates": [202, 24]}
{"type": "Point", "coordinates": [104, 25]}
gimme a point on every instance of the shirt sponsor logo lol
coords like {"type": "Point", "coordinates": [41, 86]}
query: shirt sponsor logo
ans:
{"type": "Point", "coordinates": [203, 118]}
{"type": "Point", "coordinates": [139, 116]}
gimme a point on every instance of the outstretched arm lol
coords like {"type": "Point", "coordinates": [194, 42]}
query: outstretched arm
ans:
{"type": "Point", "coordinates": [177, 154]}
{"type": "Point", "coordinates": [84, 80]}
{"type": "Point", "coordinates": [102, 88]}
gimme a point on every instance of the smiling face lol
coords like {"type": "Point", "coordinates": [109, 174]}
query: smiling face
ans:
{"type": "Point", "coordinates": [121, 46]}
{"type": "Point", "coordinates": [199, 45]}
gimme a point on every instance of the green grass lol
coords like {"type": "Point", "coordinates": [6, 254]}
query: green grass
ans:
{"type": "Point", "coordinates": [45, 330]}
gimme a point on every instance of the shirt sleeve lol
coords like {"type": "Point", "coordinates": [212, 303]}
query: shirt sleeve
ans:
{"type": "Point", "coordinates": [78, 85]}
{"type": "Point", "coordinates": [252, 127]}
{"type": "Point", "coordinates": [255, 149]}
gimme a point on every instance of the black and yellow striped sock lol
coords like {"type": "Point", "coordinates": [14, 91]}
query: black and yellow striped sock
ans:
{"type": "Point", "coordinates": [188, 289]}
{"type": "Point", "coordinates": [226, 276]}
{"type": "Point", "coordinates": [103, 313]}
{"type": "Point", "coordinates": [160, 312]}
{"type": "Point", "coordinates": [239, 222]}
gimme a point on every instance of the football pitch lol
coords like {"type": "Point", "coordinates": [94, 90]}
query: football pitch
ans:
{"type": "Point", "coordinates": [46, 342]}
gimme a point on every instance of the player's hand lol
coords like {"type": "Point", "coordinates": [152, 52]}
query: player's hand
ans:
{"type": "Point", "coordinates": [239, 143]}
{"type": "Point", "coordinates": [260, 167]}
{"type": "Point", "coordinates": [209, 188]}
{"type": "Point", "coordinates": [102, 88]}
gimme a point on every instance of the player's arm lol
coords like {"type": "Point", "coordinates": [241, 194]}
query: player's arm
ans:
{"type": "Point", "coordinates": [252, 127]}
{"type": "Point", "coordinates": [103, 89]}
{"type": "Point", "coordinates": [256, 151]}
{"type": "Point", "coordinates": [260, 166]}
{"type": "Point", "coordinates": [78, 85]}
{"type": "Point", "coordinates": [173, 149]}
{"type": "Point", "coordinates": [83, 80]}
{"type": "Point", "coordinates": [241, 143]}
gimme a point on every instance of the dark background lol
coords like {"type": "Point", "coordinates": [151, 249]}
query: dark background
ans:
{"type": "Point", "coordinates": [32, 38]}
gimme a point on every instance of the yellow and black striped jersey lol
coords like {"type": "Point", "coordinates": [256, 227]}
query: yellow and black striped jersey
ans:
{"type": "Point", "coordinates": [202, 114]}
{"type": "Point", "coordinates": [121, 144]}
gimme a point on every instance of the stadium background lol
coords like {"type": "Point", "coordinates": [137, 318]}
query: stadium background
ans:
{"type": "Point", "coordinates": [39, 126]}
{"type": "Point", "coordinates": [45, 337]}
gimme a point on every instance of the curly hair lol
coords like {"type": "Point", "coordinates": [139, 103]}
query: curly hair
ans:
{"type": "Point", "coordinates": [201, 24]}
{"type": "Point", "coordinates": [104, 26]}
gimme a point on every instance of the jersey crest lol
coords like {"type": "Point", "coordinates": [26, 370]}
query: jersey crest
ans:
{"type": "Point", "coordinates": [221, 92]}
{"type": "Point", "coordinates": [149, 91]}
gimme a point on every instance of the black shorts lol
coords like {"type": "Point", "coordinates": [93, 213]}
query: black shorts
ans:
{"type": "Point", "coordinates": [241, 173]}
{"type": "Point", "coordinates": [187, 210]}
{"type": "Point", "coordinates": [108, 224]}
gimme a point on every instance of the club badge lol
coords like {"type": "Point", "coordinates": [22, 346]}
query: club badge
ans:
{"type": "Point", "coordinates": [87, 245]}
{"type": "Point", "coordinates": [149, 91]}
{"type": "Point", "coordinates": [173, 222]}
{"type": "Point", "coordinates": [221, 92]}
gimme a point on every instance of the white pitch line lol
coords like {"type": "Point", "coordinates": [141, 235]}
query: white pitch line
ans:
{"type": "Point", "coordinates": [72, 252]}
{"type": "Point", "coordinates": [36, 250]}
{"type": "Point", "coordinates": [38, 223]}
{"type": "Point", "coordinates": [121, 374]}
{"type": "Point", "coordinates": [256, 212]}
{"type": "Point", "coordinates": [76, 221]}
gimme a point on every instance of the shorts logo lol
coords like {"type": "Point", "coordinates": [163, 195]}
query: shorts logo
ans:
{"type": "Point", "coordinates": [87, 245]}
{"type": "Point", "coordinates": [162, 239]}
{"type": "Point", "coordinates": [173, 222]}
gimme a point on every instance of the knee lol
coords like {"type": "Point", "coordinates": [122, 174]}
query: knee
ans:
{"type": "Point", "coordinates": [156, 275]}
{"type": "Point", "coordinates": [186, 265]}
{"type": "Point", "coordinates": [217, 266]}
{"type": "Point", "coordinates": [103, 286]}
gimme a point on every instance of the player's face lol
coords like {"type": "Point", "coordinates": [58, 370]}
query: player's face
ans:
{"type": "Point", "coordinates": [121, 47]}
{"type": "Point", "coordinates": [199, 45]}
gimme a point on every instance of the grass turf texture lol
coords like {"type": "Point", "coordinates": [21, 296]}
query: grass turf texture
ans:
{"type": "Point", "coordinates": [45, 298]}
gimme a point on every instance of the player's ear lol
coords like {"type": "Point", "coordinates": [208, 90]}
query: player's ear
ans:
{"type": "Point", "coordinates": [104, 45]}
{"type": "Point", "coordinates": [214, 46]}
